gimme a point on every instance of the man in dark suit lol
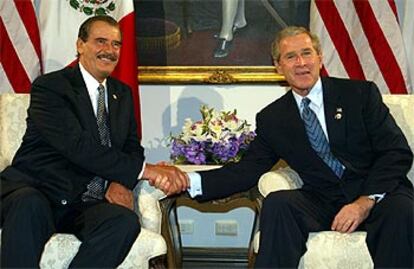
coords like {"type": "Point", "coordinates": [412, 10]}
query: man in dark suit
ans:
{"type": "Point", "coordinates": [78, 162]}
{"type": "Point", "coordinates": [356, 181]}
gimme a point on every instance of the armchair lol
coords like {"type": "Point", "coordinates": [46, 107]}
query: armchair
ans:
{"type": "Point", "coordinates": [61, 248]}
{"type": "Point", "coordinates": [331, 249]}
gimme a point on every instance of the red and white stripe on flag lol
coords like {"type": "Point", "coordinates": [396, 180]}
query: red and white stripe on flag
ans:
{"type": "Point", "coordinates": [408, 35]}
{"type": "Point", "coordinates": [59, 23]}
{"type": "Point", "coordinates": [362, 40]}
{"type": "Point", "coordinates": [20, 51]}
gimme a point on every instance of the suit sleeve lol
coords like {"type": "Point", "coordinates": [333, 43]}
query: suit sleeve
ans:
{"type": "Point", "coordinates": [241, 176]}
{"type": "Point", "coordinates": [392, 155]}
{"type": "Point", "coordinates": [57, 120]}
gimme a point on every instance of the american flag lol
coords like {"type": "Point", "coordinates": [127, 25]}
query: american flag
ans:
{"type": "Point", "coordinates": [39, 42]}
{"type": "Point", "coordinates": [361, 39]}
{"type": "Point", "coordinates": [20, 52]}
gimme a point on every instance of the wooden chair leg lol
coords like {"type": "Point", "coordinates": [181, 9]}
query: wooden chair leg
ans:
{"type": "Point", "coordinates": [159, 262]}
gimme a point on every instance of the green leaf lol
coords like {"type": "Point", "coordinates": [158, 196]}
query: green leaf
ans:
{"type": "Point", "coordinates": [111, 6]}
{"type": "Point", "coordinates": [180, 160]}
{"type": "Point", "coordinates": [74, 4]}
{"type": "Point", "coordinates": [100, 11]}
{"type": "Point", "coordinates": [88, 11]}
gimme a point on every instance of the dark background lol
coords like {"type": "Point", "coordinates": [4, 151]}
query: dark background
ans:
{"type": "Point", "coordinates": [198, 21]}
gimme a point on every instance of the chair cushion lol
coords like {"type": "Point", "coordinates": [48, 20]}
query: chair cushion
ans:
{"type": "Point", "coordinates": [280, 179]}
{"type": "Point", "coordinates": [149, 211]}
{"type": "Point", "coordinates": [327, 250]}
{"type": "Point", "coordinates": [13, 112]}
{"type": "Point", "coordinates": [402, 109]}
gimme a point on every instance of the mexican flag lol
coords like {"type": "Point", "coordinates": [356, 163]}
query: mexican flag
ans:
{"type": "Point", "coordinates": [59, 22]}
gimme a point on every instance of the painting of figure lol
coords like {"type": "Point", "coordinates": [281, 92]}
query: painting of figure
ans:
{"type": "Point", "coordinates": [212, 32]}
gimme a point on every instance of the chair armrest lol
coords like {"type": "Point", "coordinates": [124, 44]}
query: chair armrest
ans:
{"type": "Point", "coordinates": [280, 179]}
{"type": "Point", "coordinates": [148, 206]}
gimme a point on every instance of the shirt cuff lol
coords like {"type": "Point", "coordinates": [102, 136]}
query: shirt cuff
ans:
{"type": "Point", "coordinates": [142, 171]}
{"type": "Point", "coordinates": [195, 184]}
{"type": "Point", "coordinates": [377, 197]}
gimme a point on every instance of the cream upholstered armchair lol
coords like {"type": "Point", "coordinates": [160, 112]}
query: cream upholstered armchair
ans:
{"type": "Point", "coordinates": [330, 249]}
{"type": "Point", "coordinates": [61, 248]}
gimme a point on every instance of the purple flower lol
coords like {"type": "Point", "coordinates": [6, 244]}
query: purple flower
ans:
{"type": "Point", "coordinates": [208, 146]}
{"type": "Point", "coordinates": [223, 152]}
{"type": "Point", "coordinates": [194, 152]}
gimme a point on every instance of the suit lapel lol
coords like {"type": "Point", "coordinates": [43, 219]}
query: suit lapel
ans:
{"type": "Point", "coordinates": [294, 126]}
{"type": "Point", "coordinates": [84, 102]}
{"type": "Point", "coordinates": [335, 114]}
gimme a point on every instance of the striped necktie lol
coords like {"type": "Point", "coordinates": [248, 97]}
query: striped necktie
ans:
{"type": "Point", "coordinates": [318, 140]}
{"type": "Point", "coordinates": [96, 187]}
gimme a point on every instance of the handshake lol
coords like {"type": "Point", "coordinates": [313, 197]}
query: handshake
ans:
{"type": "Point", "coordinates": [162, 175]}
{"type": "Point", "coordinates": [166, 177]}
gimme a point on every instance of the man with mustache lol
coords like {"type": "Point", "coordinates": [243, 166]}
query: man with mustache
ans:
{"type": "Point", "coordinates": [79, 160]}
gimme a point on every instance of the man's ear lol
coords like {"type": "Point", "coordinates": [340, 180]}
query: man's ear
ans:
{"type": "Point", "coordinates": [79, 46]}
{"type": "Point", "coordinates": [277, 66]}
{"type": "Point", "coordinates": [321, 60]}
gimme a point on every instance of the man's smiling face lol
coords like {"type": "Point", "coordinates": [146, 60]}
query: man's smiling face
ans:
{"type": "Point", "coordinates": [99, 54]}
{"type": "Point", "coordinates": [299, 62]}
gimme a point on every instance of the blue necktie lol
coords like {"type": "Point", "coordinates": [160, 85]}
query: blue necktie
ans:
{"type": "Point", "coordinates": [96, 187]}
{"type": "Point", "coordinates": [318, 140]}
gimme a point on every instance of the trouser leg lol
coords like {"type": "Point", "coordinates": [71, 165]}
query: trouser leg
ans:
{"type": "Point", "coordinates": [107, 232]}
{"type": "Point", "coordinates": [390, 230]}
{"type": "Point", "coordinates": [287, 217]}
{"type": "Point", "coordinates": [26, 227]}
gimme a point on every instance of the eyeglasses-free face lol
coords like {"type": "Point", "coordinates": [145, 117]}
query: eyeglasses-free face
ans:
{"type": "Point", "coordinates": [299, 62]}
{"type": "Point", "coordinates": [99, 54]}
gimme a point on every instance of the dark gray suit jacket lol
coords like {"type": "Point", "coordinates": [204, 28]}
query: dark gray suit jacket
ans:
{"type": "Point", "coordinates": [365, 139]}
{"type": "Point", "coordinates": [61, 150]}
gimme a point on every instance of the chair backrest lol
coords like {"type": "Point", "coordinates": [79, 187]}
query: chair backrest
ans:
{"type": "Point", "coordinates": [13, 113]}
{"type": "Point", "coordinates": [402, 109]}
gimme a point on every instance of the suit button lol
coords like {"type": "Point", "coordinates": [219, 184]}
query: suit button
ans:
{"type": "Point", "coordinates": [63, 202]}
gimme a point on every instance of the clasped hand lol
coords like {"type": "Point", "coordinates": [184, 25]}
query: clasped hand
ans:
{"type": "Point", "coordinates": [167, 178]}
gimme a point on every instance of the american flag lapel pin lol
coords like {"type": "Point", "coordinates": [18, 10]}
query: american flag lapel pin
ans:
{"type": "Point", "coordinates": [338, 114]}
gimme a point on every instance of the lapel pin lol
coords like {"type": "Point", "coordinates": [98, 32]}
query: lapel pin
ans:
{"type": "Point", "coordinates": [338, 114]}
{"type": "Point", "coordinates": [114, 96]}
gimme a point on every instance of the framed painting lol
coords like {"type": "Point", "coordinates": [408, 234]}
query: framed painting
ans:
{"type": "Point", "coordinates": [211, 41]}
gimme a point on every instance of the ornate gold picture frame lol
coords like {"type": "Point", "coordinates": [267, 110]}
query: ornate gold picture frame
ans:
{"type": "Point", "coordinates": [208, 75]}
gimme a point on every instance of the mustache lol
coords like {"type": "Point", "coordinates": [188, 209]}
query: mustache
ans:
{"type": "Point", "coordinates": [110, 56]}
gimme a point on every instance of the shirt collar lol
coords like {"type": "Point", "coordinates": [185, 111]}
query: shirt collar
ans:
{"type": "Point", "coordinates": [91, 83]}
{"type": "Point", "coordinates": [315, 95]}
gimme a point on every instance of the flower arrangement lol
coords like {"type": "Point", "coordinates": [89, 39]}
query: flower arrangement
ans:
{"type": "Point", "coordinates": [218, 138]}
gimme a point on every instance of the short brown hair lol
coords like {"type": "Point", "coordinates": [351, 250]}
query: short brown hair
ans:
{"type": "Point", "coordinates": [293, 31]}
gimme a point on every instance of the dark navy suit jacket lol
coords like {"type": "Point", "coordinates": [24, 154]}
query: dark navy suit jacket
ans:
{"type": "Point", "coordinates": [61, 150]}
